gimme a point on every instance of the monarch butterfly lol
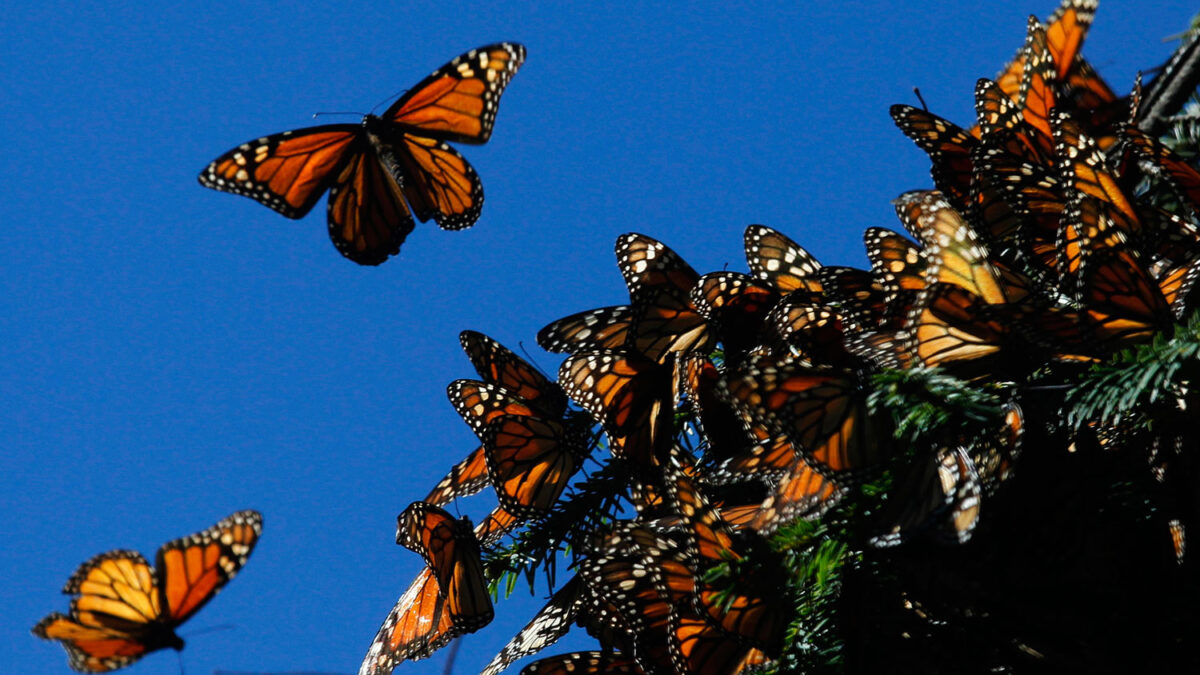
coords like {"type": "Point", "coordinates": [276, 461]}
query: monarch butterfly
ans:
{"type": "Point", "coordinates": [529, 462]}
{"type": "Point", "coordinates": [822, 412]}
{"type": "Point", "coordinates": [126, 609]}
{"type": "Point", "coordinates": [498, 365]}
{"type": "Point", "coordinates": [584, 663]}
{"type": "Point", "coordinates": [753, 613]}
{"type": "Point", "coordinates": [665, 321]}
{"type": "Point", "coordinates": [948, 145]}
{"type": "Point", "coordinates": [734, 304]}
{"type": "Point", "coordinates": [804, 492]}
{"type": "Point", "coordinates": [630, 396]}
{"type": "Point", "coordinates": [895, 259]}
{"type": "Point", "coordinates": [781, 262]}
{"type": "Point", "coordinates": [384, 171]}
{"type": "Point", "coordinates": [815, 332]}
{"type": "Point", "coordinates": [447, 599]}
{"type": "Point", "coordinates": [1064, 35]}
{"type": "Point", "coordinates": [940, 494]}
{"type": "Point", "coordinates": [603, 329]}
{"type": "Point", "coordinates": [1085, 170]}
{"type": "Point", "coordinates": [547, 626]}
{"type": "Point", "coordinates": [1183, 178]}
{"type": "Point", "coordinates": [953, 253]}
{"type": "Point", "coordinates": [713, 415]}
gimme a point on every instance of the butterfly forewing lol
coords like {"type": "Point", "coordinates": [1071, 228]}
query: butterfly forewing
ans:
{"type": "Point", "coordinates": [458, 102]}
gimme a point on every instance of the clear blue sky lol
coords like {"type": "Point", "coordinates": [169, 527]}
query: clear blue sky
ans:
{"type": "Point", "coordinates": [170, 354]}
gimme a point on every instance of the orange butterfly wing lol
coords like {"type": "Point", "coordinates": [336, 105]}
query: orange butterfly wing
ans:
{"type": "Point", "coordinates": [125, 609]}
{"type": "Point", "coordinates": [195, 568]}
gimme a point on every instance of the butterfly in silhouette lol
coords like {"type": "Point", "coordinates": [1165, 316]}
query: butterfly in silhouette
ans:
{"type": "Point", "coordinates": [386, 170]}
{"type": "Point", "coordinates": [125, 609]}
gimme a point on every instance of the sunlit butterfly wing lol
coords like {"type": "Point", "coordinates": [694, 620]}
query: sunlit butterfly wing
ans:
{"type": "Point", "coordinates": [195, 568]}
{"type": "Point", "coordinates": [465, 478]}
{"type": "Point", "coordinates": [781, 262]}
{"type": "Point", "coordinates": [382, 172]}
{"type": "Point", "coordinates": [660, 284]}
{"type": "Point", "coordinates": [1086, 170]}
{"type": "Point", "coordinates": [822, 412]}
{"type": "Point", "coordinates": [529, 460]}
{"type": "Point", "coordinates": [895, 259]}
{"type": "Point", "coordinates": [479, 403]}
{"type": "Point", "coordinates": [952, 252]}
{"type": "Point", "coordinates": [125, 609]}
{"type": "Point", "coordinates": [583, 663]}
{"type": "Point", "coordinates": [498, 365]}
{"type": "Point", "coordinates": [630, 396]}
{"type": "Point", "coordinates": [1123, 303]}
{"type": "Point", "coordinates": [117, 617]}
{"type": "Point", "coordinates": [551, 623]}
{"type": "Point", "coordinates": [954, 328]}
{"type": "Point", "coordinates": [603, 329]}
{"type": "Point", "coordinates": [948, 145]}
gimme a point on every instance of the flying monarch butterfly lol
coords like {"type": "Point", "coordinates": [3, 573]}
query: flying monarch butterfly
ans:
{"type": "Point", "coordinates": [126, 609]}
{"type": "Point", "coordinates": [603, 329]}
{"type": "Point", "coordinates": [447, 599]}
{"type": "Point", "coordinates": [781, 262]}
{"type": "Point", "coordinates": [386, 170]}
{"type": "Point", "coordinates": [665, 320]}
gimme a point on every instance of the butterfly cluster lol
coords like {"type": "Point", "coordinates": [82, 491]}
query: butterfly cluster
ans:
{"type": "Point", "coordinates": [742, 412]}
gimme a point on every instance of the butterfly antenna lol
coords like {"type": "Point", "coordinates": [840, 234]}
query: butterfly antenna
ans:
{"type": "Point", "coordinates": [529, 357]}
{"type": "Point", "coordinates": [179, 654]}
{"type": "Point", "coordinates": [336, 112]}
{"type": "Point", "coordinates": [451, 657]}
{"type": "Point", "coordinates": [393, 96]}
{"type": "Point", "coordinates": [917, 91]}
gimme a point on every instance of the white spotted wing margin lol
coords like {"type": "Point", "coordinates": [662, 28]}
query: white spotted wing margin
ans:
{"type": "Point", "coordinates": [550, 624]}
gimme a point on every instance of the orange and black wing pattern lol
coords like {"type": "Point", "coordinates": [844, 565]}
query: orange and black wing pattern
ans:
{"type": "Point", "coordinates": [660, 284]}
{"type": "Point", "coordinates": [498, 365]}
{"type": "Point", "coordinates": [124, 608]}
{"type": "Point", "coordinates": [383, 172]}
{"type": "Point", "coordinates": [602, 329]}
{"type": "Point", "coordinates": [447, 599]}
{"type": "Point", "coordinates": [774, 258]}
{"type": "Point", "coordinates": [631, 396]}
{"type": "Point", "coordinates": [530, 460]}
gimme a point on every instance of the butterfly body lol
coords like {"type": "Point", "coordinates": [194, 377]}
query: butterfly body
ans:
{"type": "Point", "coordinates": [124, 609]}
{"type": "Point", "coordinates": [388, 169]}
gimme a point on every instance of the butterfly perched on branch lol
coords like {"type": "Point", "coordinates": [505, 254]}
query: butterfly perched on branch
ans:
{"type": "Point", "coordinates": [386, 170]}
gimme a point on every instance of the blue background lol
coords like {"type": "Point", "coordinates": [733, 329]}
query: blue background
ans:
{"type": "Point", "coordinates": [170, 354]}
